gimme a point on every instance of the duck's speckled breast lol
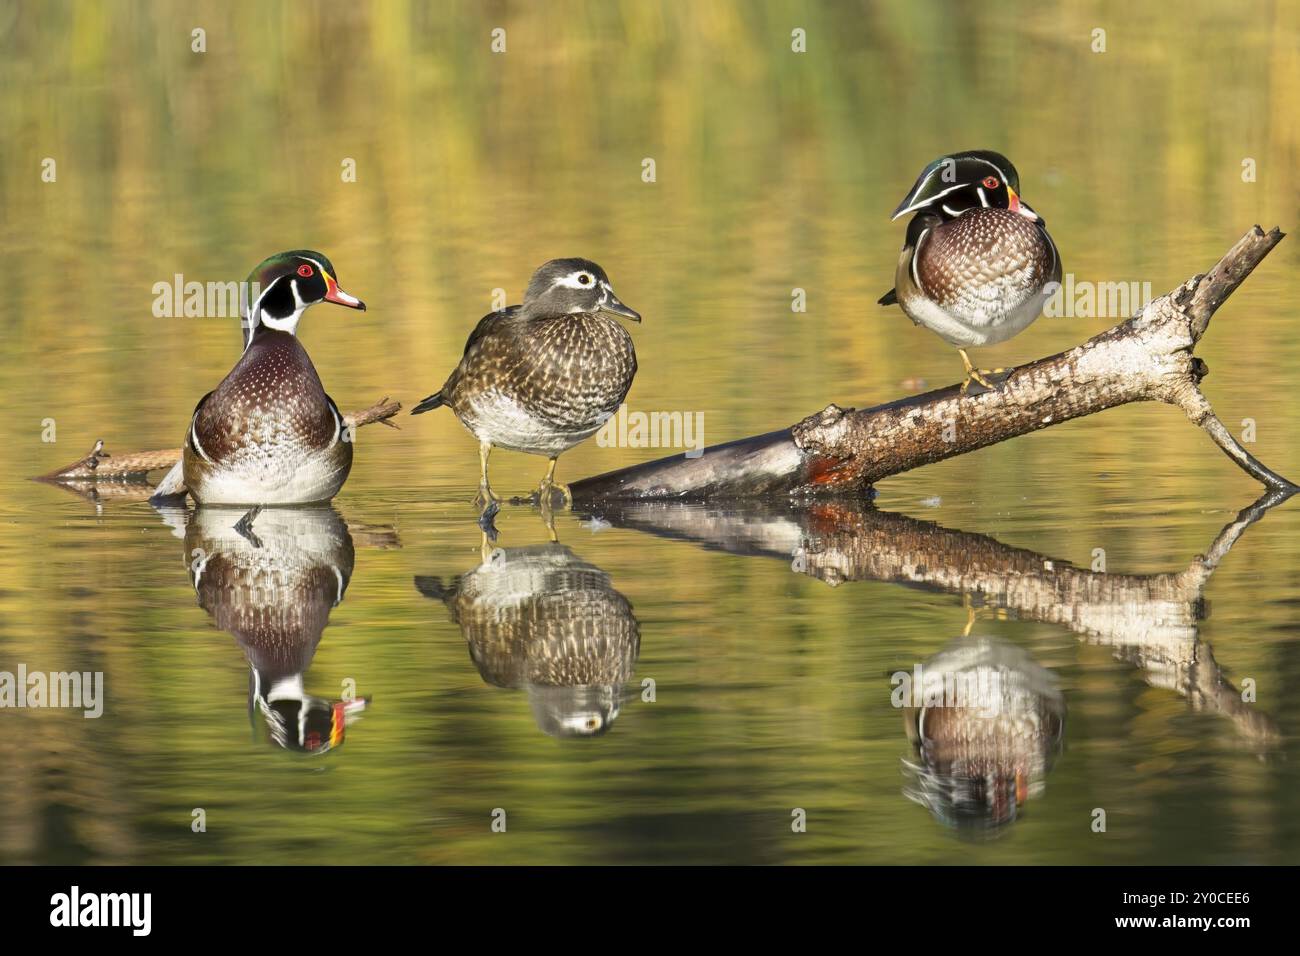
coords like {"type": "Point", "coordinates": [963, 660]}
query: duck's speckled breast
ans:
{"type": "Point", "coordinates": [984, 264]}
{"type": "Point", "coordinates": [268, 433]}
{"type": "Point", "coordinates": [272, 397]}
{"type": "Point", "coordinates": [543, 385]}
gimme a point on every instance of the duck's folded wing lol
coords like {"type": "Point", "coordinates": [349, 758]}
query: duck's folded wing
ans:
{"type": "Point", "coordinates": [341, 432]}
{"type": "Point", "coordinates": [173, 483]}
{"type": "Point", "coordinates": [194, 438]}
{"type": "Point", "coordinates": [487, 324]}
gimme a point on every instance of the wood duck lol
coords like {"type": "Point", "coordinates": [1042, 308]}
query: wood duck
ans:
{"type": "Point", "coordinates": [268, 434]}
{"type": "Point", "coordinates": [977, 265]}
{"type": "Point", "coordinates": [542, 376]}
{"type": "Point", "coordinates": [271, 579]}
{"type": "Point", "coordinates": [543, 620]}
{"type": "Point", "coordinates": [980, 759]}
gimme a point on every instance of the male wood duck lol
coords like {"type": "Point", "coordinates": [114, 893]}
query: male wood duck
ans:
{"type": "Point", "coordinates": [977, 265]}
{"type": "Point", "coordinates": [984, 753]}
{"type": "Point", "coordinates": [270, 578]}
{"type": "Point", "coordinates": [542, 376]}
{"type": "Point", "coordinates": [268, 434]}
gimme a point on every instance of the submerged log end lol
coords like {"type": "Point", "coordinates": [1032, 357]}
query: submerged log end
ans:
{"type": "Point", "coordinates": [100, 465]}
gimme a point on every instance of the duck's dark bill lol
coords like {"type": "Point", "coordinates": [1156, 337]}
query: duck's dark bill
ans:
{"type": "Point", "coordinates": [615, 307]}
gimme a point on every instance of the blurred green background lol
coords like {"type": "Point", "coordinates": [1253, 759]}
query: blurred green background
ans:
{"type": "Point", "coordinates": [775, 170]}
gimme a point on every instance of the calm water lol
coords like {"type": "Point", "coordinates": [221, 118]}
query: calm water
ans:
{"type": "Point", "coordinates": [770, 633]}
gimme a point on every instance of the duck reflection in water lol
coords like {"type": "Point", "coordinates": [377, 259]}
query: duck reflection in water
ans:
{"type": "Point", "coordinates": [983, 751]}
{"type": "Point", "coordinates": [543, 620]}
{"type": "Point", "coordinates": [271, 577]}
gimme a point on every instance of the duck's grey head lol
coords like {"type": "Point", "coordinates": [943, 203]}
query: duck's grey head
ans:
{"type": "Point", "coordinates": [582, 711]}
{"type": "Point", "coordinates": [286, 285]}
{"type": "Point", "coordinates": [572, 286]}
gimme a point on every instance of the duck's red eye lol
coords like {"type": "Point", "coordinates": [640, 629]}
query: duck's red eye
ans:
{"type": "Point", "coordinates": [990, 182]}
{"type": "Point", "coordinates": [304, 270]}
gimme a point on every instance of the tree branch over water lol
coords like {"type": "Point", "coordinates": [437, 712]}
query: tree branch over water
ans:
{"type": "Point", "coordinates": [838, 451]}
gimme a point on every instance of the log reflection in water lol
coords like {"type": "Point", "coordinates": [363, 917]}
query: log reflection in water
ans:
{"type": "Point", "coordinates": [1150, 620]}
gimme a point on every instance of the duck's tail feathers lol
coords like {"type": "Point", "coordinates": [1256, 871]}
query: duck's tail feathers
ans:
{"type": "Point", "coordinates": [889, 298]}
{"type": "Point", "coordinates": [171, 490]}
{"type": "Point", "coordinates": [432, 587]}
{"type": "Point", "coordinates": [429, 404]}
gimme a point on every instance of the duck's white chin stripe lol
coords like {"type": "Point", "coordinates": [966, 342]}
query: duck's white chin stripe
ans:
{"type": "Point", "coordinates": [288, 324]}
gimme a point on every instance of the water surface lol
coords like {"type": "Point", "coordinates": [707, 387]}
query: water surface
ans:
{"type": "Point", "coordinates": [770, 633]}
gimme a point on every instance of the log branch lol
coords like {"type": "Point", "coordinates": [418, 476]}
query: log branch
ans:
{"type": "Point", "coordinates": [846, 451]}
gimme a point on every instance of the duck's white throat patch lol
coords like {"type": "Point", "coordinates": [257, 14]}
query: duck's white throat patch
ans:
{"type": "Point", "coordinates": [289, 323]}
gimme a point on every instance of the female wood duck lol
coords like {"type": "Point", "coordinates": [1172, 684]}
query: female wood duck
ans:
{"type": "Point", "coordinates": [977, 265]}
{"type": "Point", "coordinates": [543, 620]}
{"type": "Point", "coordinates": [268, 434]}
{"type": "Point", "coordinates": [542, 376]}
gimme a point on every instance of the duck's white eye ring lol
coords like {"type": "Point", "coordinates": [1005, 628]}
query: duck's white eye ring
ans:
{"type": "Point", "coordinates": [584, 279]}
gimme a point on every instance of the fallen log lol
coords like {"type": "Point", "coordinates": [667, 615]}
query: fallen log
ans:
{"type": "Point", "coordinates": [845, 451]}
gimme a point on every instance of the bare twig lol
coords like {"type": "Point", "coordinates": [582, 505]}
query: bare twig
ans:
{"type": "Point", "coordinates": [382, 412]}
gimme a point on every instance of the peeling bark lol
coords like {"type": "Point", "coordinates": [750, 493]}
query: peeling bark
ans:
{"type": "Point", "coordinates": [845, 451]}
